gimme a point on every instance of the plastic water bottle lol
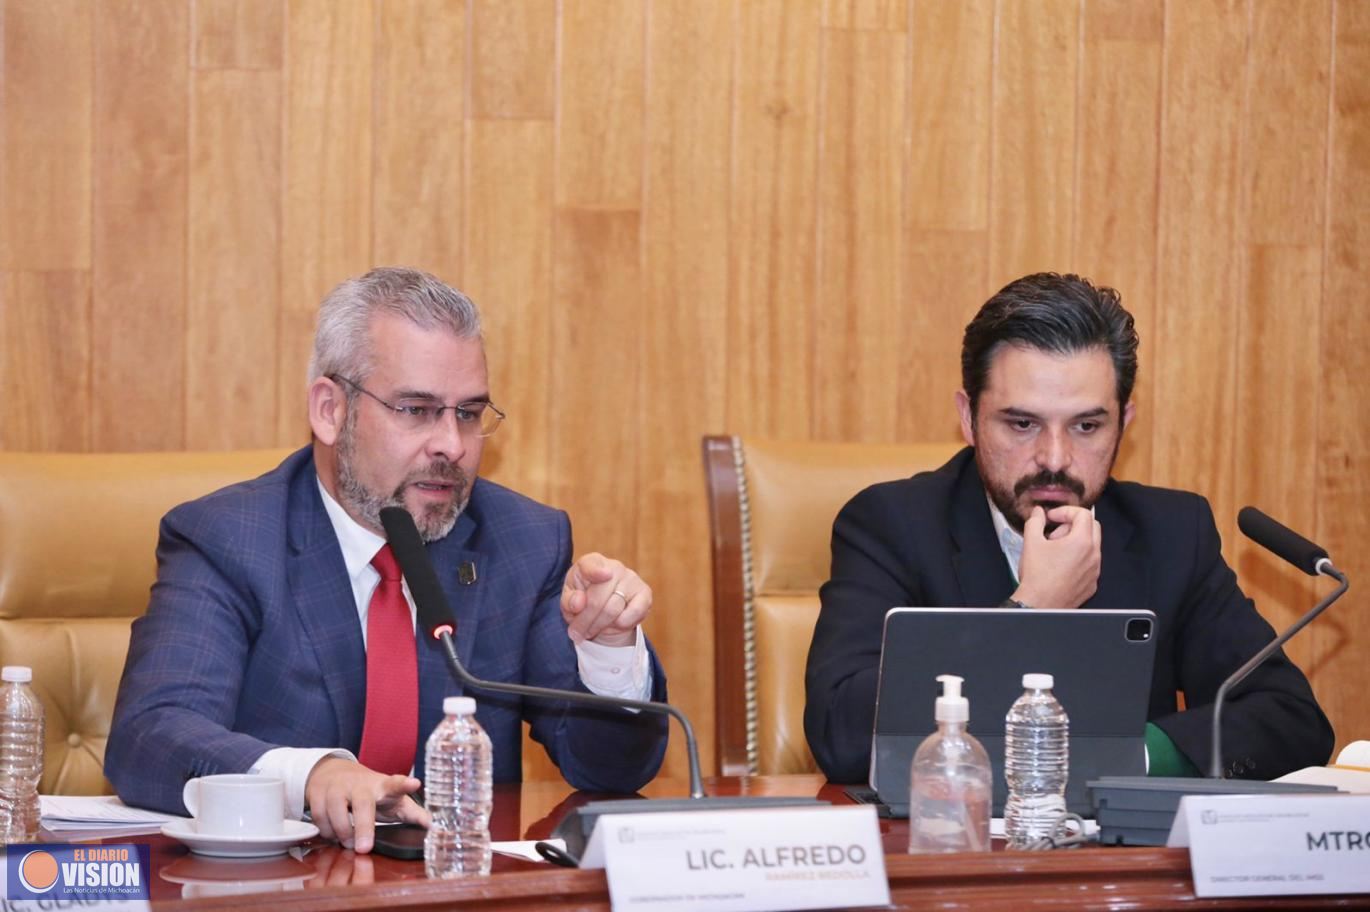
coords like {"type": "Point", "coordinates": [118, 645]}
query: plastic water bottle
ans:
{"type": "Point", "coordinates": [949, 781]}
{"type": "Point", "coordinates": [1036, 764]}
{"type": "Point", "coordinates": [21, 756]}
{"type": "Point", "coordinates": [458, 793]}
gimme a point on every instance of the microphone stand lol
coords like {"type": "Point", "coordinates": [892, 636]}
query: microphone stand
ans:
{"type": "Point", "coordinates": [436, 617]}
{"type": "Point", "coordinates": [575, 828]}
{"type": "Point", "coordinates": [1324, 566]}
{"type": "Point", "coordinates": [1132, 803]}
{"type": "Point", "coordinates": [449, 649]}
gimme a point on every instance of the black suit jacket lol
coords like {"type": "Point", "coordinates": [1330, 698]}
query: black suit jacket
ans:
{"type": "Point", "coordinates": [928, 541]}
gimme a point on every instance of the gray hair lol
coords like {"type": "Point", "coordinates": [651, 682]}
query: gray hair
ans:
{"type": "Point", "coordinates": [342, 341]}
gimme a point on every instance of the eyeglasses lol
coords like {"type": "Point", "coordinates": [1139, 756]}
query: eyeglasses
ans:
{"type": "Point", "coordinates": [477, 417]}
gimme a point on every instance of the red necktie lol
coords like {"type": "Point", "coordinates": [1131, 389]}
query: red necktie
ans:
{"type": "Point", "coordinates": [391, 728]}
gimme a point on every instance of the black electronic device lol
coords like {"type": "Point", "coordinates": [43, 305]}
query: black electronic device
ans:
{"type": "Point", "coordinates": [1138, 810]}
{"type": "Point", "coordinates": [1101, 660]}
{"type": "Point", "coordinates": [400, 840]}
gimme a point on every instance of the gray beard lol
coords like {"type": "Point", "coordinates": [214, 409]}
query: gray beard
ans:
{"type": "Point", "coordinates": [434, 522]}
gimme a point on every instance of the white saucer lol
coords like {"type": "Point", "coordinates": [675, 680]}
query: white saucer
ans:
{"type": "Point", "coordinates": [292, 832]}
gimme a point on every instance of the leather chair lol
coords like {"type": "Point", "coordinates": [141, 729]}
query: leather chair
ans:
{"type": "Point", "coordinates": [771, 508]}
{"type": "Point", "coordinates": [78, 535]}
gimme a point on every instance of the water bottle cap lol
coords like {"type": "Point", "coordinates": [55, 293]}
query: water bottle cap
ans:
{"type": "Point", "coordinates": [1038, 681]}
{"type": "Point", "coordinates": [951, 706]}
{"type": "Point", "coordinates": [459, 706]}
{"type": "Point", "coordinates": [21, 673]}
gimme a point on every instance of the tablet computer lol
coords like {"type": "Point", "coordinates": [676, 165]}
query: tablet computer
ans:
{"type": "Point", "coordinates": [1101, 662]}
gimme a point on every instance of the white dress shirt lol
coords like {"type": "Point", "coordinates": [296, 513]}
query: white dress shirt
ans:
{"type": "Point", "coordinates": [1010, 539]}
{"type": "Point", "coordinates": [619, 671]}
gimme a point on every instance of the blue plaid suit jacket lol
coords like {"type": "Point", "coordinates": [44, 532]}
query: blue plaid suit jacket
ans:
{"type": "Point", "coordinates": [251, 641]}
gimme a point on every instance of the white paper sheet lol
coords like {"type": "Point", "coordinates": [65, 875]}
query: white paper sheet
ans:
{"type": "Point", "coordinates": [524, 848]}
{"type": "Point", "coordinates": [89, 812]}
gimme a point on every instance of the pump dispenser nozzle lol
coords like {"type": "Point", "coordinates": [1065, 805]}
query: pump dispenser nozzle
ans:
{"type": "Point", "coordinates": [951, 706]}
{"type": "Point", "coordinates": [950, 784]}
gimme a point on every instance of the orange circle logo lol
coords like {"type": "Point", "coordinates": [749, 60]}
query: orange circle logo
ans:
{"type": "Point", "coordinates": [38, 871]}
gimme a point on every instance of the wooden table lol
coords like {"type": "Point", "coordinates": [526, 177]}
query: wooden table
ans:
{"type": "Point", "coordinates": [327, 878]}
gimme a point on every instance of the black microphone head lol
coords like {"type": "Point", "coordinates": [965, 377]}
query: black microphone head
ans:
{"type": "Point", "coordinates": [1280, 540]}
{"type": "Point", "coordinates": [406, 543]}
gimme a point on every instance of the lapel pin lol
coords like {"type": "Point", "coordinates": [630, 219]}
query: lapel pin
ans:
{"type": "Point", "coordinates": [466, 573]}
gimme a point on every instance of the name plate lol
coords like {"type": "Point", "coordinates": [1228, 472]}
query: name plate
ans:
{"type": "Point", "coordinates": [742, 861]}
{"type": "Point", "coordinates": [1267, 845]}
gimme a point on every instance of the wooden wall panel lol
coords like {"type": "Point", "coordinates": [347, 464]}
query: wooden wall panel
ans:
{"type": "Point", "coordinates": [45, 366]}
{"type": "Point", "coordinates": [45, 106]}
{"type": "Point", "coordinates": [419, 134]}
{"type": "Point", "coordinates": [1341, 673]}
{"type": "Point", "coordinates": [949, 104]}
{"type": "Point", "coordinates": [595, 373]}
{"type": "Point", "coordinates": [689, 216]}
{"type": "Point", "coordinates": [772, 215]}
{"type": "Point", "coordinates": [1285, 140]}
{"type": "Point", "coordinates": [513, 58]}
{"type": "Point", "coordinates": [1115, 199]}
{"type": "Point", "coordinates": [681, 342]}
{"type": "Point", "coordinates": [887, 15]}
{"type": "Point", "coordinates": [1276, 422]}
{"type": "Point", "coordinates": [1032, 163]}
{"type": "Point", "coordinates": [1193, 424]}
{"type": "Point", "coordinates": [860, 189]}
{"type": "Point", "coordinates": [600, 105]}
{"type": "Point", "coordinates": [237, 34]}
{"type": "Point", "coordinates": [234, 261]}
{"type": "Point", "coordinates": [139, 205]}
{"type": "Point", "coordinates": [326, 198]}
{"type": "Point", "coordinates": [946, 207]}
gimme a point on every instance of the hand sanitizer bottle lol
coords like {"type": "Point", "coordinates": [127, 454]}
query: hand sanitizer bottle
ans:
{"type": "Point", "coordinates": [949, 783]}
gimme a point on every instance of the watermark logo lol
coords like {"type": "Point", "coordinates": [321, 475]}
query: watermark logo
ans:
{"type": "Point", "coordinates": [77, 872]}
{"type": "Point", "coordinates": [38, 871]}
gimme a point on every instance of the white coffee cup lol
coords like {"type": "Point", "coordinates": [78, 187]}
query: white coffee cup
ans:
{"type": "Point", "coordinates": [236, 805]}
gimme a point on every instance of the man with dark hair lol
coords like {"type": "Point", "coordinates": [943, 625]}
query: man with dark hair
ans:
{"type": "Point", "coordinates": [1027, 516]}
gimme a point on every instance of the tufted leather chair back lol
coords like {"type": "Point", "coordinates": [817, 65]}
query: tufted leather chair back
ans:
{"type": "Point", "coordinates": [772, 505]}
{"type": "Point", "coordinates": [78, 535]}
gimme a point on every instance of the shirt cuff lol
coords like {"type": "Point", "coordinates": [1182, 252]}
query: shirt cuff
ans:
{"type": "Point", "coordinates": [616, 671]}
{"type": "Point", "coordinates": [293, 765]}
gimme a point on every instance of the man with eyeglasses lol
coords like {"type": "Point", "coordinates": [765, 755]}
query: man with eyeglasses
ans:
{"type": "Point", "coordinates": [280, 639]}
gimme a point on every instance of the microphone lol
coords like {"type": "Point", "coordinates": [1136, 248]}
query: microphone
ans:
{"type": "Point", "coordinates": [1312, 559]}
{"type": "Point", "coordinates": [1130, 802]}
{"type": "Point", "coordinates": [435, 618]}
{"type": "Point", "coordinates": [1282, 541]}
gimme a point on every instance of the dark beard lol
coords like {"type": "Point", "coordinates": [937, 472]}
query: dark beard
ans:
{"type": "Point", "coordinates": [1006, 501]}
